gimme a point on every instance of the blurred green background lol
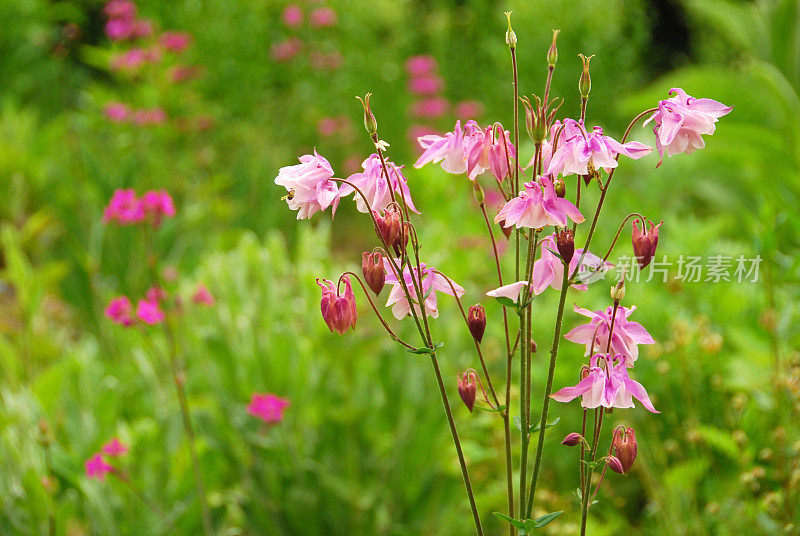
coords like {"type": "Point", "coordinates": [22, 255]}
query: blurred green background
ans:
{"type": "Point", "coordinates": [364, 448]}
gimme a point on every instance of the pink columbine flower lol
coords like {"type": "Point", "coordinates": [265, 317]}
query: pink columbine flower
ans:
{"type": "Point", "coordinates": [448, 149]}
{"type": "Point", "coordinates": [96, 467]}
{"type": "Point", "coordinates": [323, 17]}
{"type": "Point", "coordinates": [157, 205]}
{"type": "Point", "coordinates": [116, 112]}
{"type": "Point", "coordinates": [511, 291]}
{"type": "Point", "coordinates": [485, 151]}
{"type": "Point", "coordinates": [124, 208]}
{"type": "Point", "coordinates": [338, 310]}
{"type": "Point", "coordinates": [610, 388]}
{"type": "Point", "coordinates": [627, 336]}
{"type": "Point", "coordinates": [425, 85]}
{"type": "Point", "coordinates": [149, 312]}
{"type": "Point", "coordinates": [175, 41]}
{"type": "Point", "coordinates": [114, 447]}
{"type": "Point", "coordinates": [202, 296]}
{"type": "Point", "coordinates": [579, 150]}
{"type": "Point", "coordinates": [120, 311]}
{"type": "Point", "coordinates": [548, 270]}
{"type": "Point", "coordinates": [535, 208]}
{"type": "Point", "coordinates": [372, 183]}
{"type": "Point", "coordinates": [681, 121]}
{"type": "Point", "coordinates": [420, 65]}
{"type": "Point", "coordinates": [309, 185]}
{"type": "Point", "coordinates": [267, 407]}
{"type": "Point", "coordinates": [431, 282]}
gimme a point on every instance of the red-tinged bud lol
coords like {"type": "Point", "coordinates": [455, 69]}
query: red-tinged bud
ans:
{"type": "Point", "coordinates": [560, 187]}
{"type": "Point", "coordinates": [467, 389]}
{"type": "Point", "coordinates": [572, 439]}
{"type": "Point", "coordinates": [644, 242]}
{"type": "Point", "coordinates": [389, 224]}
{"type": "Point", "coordinates": [533, 346]}
{"type": "Point", "coordinates": [370, 123]}
{"type": "Point", "coordinates": [401, 242]}
{"type": "Point", "coordinates": [565, 242]}
{"type": "Point", "coordinates": [374, 272]}
{"type": "Point", "coordinates": [476, 320]}
{"type": "Point", "coordinates": [585, 82]}
{"type": "Point", "coordinates": [625, 448]}
{"type": "Point", "coordinates": [338, 310]}
{"type": "Point", "coordinates": [552, 52]}
{"type": "Point", "coordinates": [614, 464]}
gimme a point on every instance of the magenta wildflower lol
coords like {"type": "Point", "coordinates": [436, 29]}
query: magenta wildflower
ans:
{"type": "Point", "coordinates": [175, 41]}
{"type": "Point", "coordinates": [338, 309]}
{"type": "Point", "coordinates": [431, 282]}
{"type": "Point", "coordinates": [538, 206]}
{"type": "Point", "coordinates": [267, 407]}
{"type": "Point", "coordinates": [96, 467]}
{"type": "Point", "coordinates": [548, 270]}
{"type": "Point", "coordinates": [680, 122]}
{"type": "Point", "coordinates": [286, 50]}
{"type": "Point", "coordinates": [202, 296]}
{"type": "Point", "coordinates": [116, 112]}
{"type": "Point", "coordinates": [292, 16]}
{"type": "Point", "coordinates": [149, 312]}
{"type": "Point", "coordinates": [120, 311]}
{"type": "Point", "coordinates": [119, 29]}
{"type": "Point", "coordinates": [120, 9]}
{"type": "Point", "coordinates": [627, 336]}
{"type": "Point", "coordinates": [114, 447]}
{"type": "Point", "coordinates": [124, 208]}
{"type": "Point", "coordinates": [420, 65]}
{"type": "Point", "coordinates": [425, 85]}
{"type": "Point", "coordinates": [158, 205]}
{"type": "Point", "coordinates": [309, 185]}
{"type": "Point", "coordinates": [323, 17]}
{"type": "Point", "coordinates": [372, 183]}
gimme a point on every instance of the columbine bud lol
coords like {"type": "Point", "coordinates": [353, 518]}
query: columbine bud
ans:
{"type": "Point", "coordinates": [644, 242]}
{"type": "Point", "coordinates": [389, 224]}
{"type": "Point", "coordinates": [374, 272]}
{"type": "Point", "coordinates": [401, 241]}
{"type": "Point", "coordinates": [533, 346]}
{"type": "Point", "coordinates": [565, 242]}
{"type": "Point", "coordinates": [572, 439]}
{"type": "Point", "coordinates": [585, 82]}
{"type": "Point", "coordinates": [618, 291]}
{"type": "Point", "coordinates": [338, 311]}
{"type": "Point", "coordinates": [530, 117]}
{"type": "Point", "coordinates": [511, 37]}
{"type": "Point", "coordinates": [552, 52]}
{"type": "Point", "coordinates": [476, 320]}
{"type": "Point", "coordinates": [560, 187]}
{"type": "Point", "coordinates": [615, 465]}
{"type": "Point", "coordinates": [625, 448]}
{"type": "Point", "coordinates": [477, 191]}
{"type": "Point", "coordinates": [370, 123]}
{"type": "Point", "coordinates": [467, 389]}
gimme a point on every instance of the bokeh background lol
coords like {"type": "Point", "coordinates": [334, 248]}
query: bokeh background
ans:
{"type": "Point", "coordinates": [364, 447]}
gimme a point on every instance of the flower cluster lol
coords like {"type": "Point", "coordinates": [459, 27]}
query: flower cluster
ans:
{"type": "Point", "coordinates": [126, 208]}
{"type": "Point", "coordinates": [319, 18]}
{"type": "Point", "coordinates": [98, 466]}
{"type": "Point", "coordinates": [267, 407]}
{"type": "Point", "coordinates": [123, 23]}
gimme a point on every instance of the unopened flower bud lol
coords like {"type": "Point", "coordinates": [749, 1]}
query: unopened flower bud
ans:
{"type": "Point", "coordinates": [389, 224]}
{"type": "Point", "coordinates": [338, 310]}
{"type": "Point", "coordinates": [476, 320]}
{"type": "Point", "coordinates": [530, 116]}
{"type": "Point", "coordinates": [374, 272]}
{"type": "Point", "coordinates": [477, 191]}
{"type": "Point", "coordinates": [511, 37]}
{"type": "Point", "coordinates": [572, 439]}
{"type": "Point", "coordinates": [467, 389]}
{"type": "Point", "coordinates": [618, 291]}
{"type": "Point", "coordinates": [644, 242]}
{"type": "Point", "coordinates": [370, 123]}
{"type": "Point", "coordinates": [625, 448]}
{"type": "Point", "coordinates": [614, 464]}
{"type": "Point", "coordinates": [401, 241]}
{"type": "Point", "coordinates": [533, 346]}
{"type": "Point", "coordinates": [565, 242]}
{"type": "Point", "coordinates": [560, 187]}
{"type": "Point", "coordinates": [552, 52]}
{"type": "Point", "coordinates": [585, 82]}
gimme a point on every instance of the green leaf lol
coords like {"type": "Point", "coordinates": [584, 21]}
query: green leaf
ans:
{"type": "Point", "coordinates": [506, 302]}
{"type": "Point", "coordinates": [498, 409]}
{"type": "Point", "coordinates": [516, 523]}
{"type": "Point", "coordinates": [535, 426]}
{"type": "Point", "coordinates": [425, 350]}
{"type": "Point", "coordinates": [547, 518]}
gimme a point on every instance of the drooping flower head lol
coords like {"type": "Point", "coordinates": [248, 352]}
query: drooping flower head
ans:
{"type": "Point", "coordinates": [468, 388]}
{"type": "Point", "coordinates": [372, 183]}
{"type": "Point", "coordinates": [625, 447]}
{"type": "Point", "coordinates": [448, 149]}
{"type": "Point", "coordinates": [267, 407]}
{"type": "Point", "coordinates": [644, 242]}
{"type": "Point", "coordinates": [680, 122]}
{"type": "Point", "coordinates": [548, 270]}
{"type": "Point", "coordinates": [431, 281]}
{"type": "Point", "coordinates": [538, 206]}
{"type": "Point", "coordinates": [338, 310]}
{"type": "Point", "coordinates": [627, 336]}
{"type": "Point", "coordinates": [120, 311]}
{"type": "Point", "coordinates": [114, 447]}
{"type": "Point", "coordinates": [487, 152]}
{"type": "Point", "coordinates": [309, 185]}
{"type": "Point", "coordinates": [512, 291]}
{"type": "Point", "coordinates": [96, 467]}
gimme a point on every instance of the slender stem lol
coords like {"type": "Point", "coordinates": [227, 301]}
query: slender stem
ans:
{"type": "Point", "coordinates": [583, 451]}
{"type": "Point", "coordinates": [147, 501]}
{"type": "Point", "coordinates": [619, 230]}
{"type": "Point", "coordinates": [548, 389]}
{"type": "Point", "coordinates": [524, 365]}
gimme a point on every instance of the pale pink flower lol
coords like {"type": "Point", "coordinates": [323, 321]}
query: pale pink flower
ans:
{"type": "Point", "coordinates": [323, 17]}
{"type": "Point", "coordinates": [267, 407]}
{"type": "Point", "coordinates": [116, 112]}
{"type": "Point", "coordinates": [131, 60]}
{"type": "Point", "coordinates": [430, 108]}
{"type": "Point", "coordinates": [425, 85]}
{"type": "Point", "coordinates": [124, 208]}
{"type": "Point", "coordinates": [627, 336]}
{"type": "Point", "coordinates": [548, 270]}
{"type": "Point", "coordinates": [309, 185]}
{"type": "Point", "coordinates": [96, 467]}
{"type": "Point", "coordinates": [155, 294]}
{"type": "Point", "coordinates": [420, 65]}
{"type": "Point", "coordinates": [325, 62]}
{"type": "Point", "coordinates": [431, 282]}
{"type": "Point", "coordinates": [142, 28]}
{"type": "Point", "coordinates": [485, 151]}
{"type": "Point", "coordinates": [202, 296]}
{"type": "Point", "coordinates": [149, 312]}
{"type": "Point", "coordinates": [511, 291]}
{"type": "Point", "coordinates": [448, 149]}
{"type": "Point", "coordinates": [338, 309]}
{"type": "Point", "coordinates": [576, 152]}
{"type": "Point", "coordinates": [175, 41]}
{"type": "Point", "coordinates": [538, 206]}
{"type": "Point", "coordinates": [469, 108]}
{"type": "Point", "coordinates": [114, 447]}
{"type": "Point", "coordinates": [152, 116]}
{"type": "Point", "coordinates": [680, 122]}
{"type": "Point", "coordinates": [372, 183]}
{"type": "Point", "coordinates": [120, 311]}
{"type": "Point", "coordinates": [286, 50]}
{"type": "Point", "coordinates": [292, 16]}
{"type": "Point", "coordinates": [610, 388]}
{"type": "Point", "coordinates": [328, 126]}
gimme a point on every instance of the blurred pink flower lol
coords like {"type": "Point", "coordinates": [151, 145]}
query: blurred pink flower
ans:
{"type": "Point", "coordinates": [352, 164]}
{"type": "Point", "coordinates": [153, 116]}
{"type": "Point", "coordinates": [124, 208]}
{"type": "Point", "coordinates": [158, 205]}
{"type": "Point", "coordinates": [535, 209]}
{"type": "Point", "coordinates": [417, 131]}
{"type": "Point", "coordinates": [175, 41]}
{"type": "Point", "coordinates": [323, 17]}
{"type": "Point", "coordinates": [430, 108]}
{"type": "Point", "coordinates": [372, 183]}
{"type": "Point", "coordinates": [286, 50]}
{"type": "Point", "coordinates": [119, 29]}
{"type": "Point", "coordinates": [681, 120]}
{"type": "Point", "coordinates": [431, 281]}
{"type": "Point", "coordinates": [115, 447]}
{"type": "Point", "coordinates": [328, 126]}
{"type": "Point", "coordinates": [155, 294]}
{"type": "Point", "coordinates": [120, 311]}
{"type": "Point", "coordinates": [96, 467]}
{"type": "Point", "coordinates": [120, 9]}
{"type": "Point", "coordinates": [116, 112]}
{"type": "Point", "coordinates": [183, 73]}
{"type": "Point", "coordinates": [142, 28]}
{"type": "Point", "coordinates": [149, 312]}
{"type": "Point", "coordinates": [425, 85]}
{"type": "Point", "coordinates": [627, 336]}
{"type": "Point", "coordinates": [267, 407]}
{"type": "Point", "coordinates": [420, 65]}
{"type": "Point", "coordinates": [469, 109]}
{"type": "Point", "coordinates": [309, 185]}
{"type": "Point", "coordinates": [325, 62]}
{"type": "Point", "coordinates": [292, 16]}
{"type": "Point", "coordinates": [202, 296]}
